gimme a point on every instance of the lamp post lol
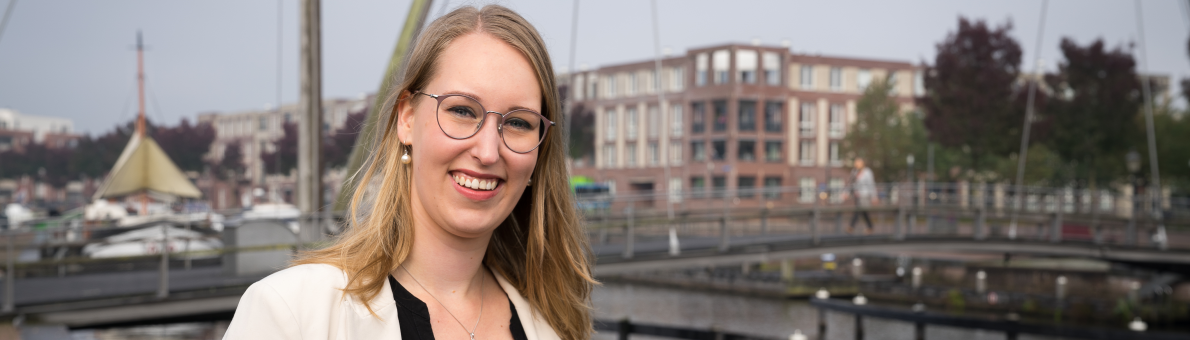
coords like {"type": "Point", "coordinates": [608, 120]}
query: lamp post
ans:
{"type": "Point", "coordinates": [1132, 159]}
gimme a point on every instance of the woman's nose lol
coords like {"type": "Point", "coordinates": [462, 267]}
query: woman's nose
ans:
{"type": "Point", "coordinates": [486, 147]}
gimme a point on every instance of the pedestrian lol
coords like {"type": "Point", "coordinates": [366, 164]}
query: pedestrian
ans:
{"type": "Point", "coordinates": [863, 188]}
{"type": "Point", "coordinates": [462, 225]}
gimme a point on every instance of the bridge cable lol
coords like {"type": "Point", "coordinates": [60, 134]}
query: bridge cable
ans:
{"type": "Point", "coordinates": [7, 15]}
{"type": "Point", "coordinates": [1029, 114]}
{"type": "Point", "coordinates": [1155, 188]}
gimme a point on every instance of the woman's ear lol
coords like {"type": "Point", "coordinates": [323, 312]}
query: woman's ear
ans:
{"type": "Point", "coordinates": [404, 113]}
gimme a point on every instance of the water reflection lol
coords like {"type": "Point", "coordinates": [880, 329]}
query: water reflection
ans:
{"type": "Point", "coordinates": [750, 315]}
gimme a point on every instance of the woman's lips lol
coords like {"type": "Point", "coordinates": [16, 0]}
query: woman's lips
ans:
{"type": "Point", "coordinates": [477, 189]}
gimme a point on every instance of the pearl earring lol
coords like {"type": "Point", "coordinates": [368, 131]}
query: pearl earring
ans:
{"type": "Point", "coordinates": [530, 182]}
{"type": "Point", "coordinates": [405, 159]}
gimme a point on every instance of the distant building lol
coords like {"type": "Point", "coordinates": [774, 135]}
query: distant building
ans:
{"type": "Point", "coordinates": [734, 118]}
{"type": "Point", "coordinates": [18, 130]}
{"type": "Point", "coordinates": [257, 132]}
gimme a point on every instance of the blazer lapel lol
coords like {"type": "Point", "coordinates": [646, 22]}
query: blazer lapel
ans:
{"type": "Point", "coordinates": [358, 323]}
{"type": "Point", "coordinates": [536, 328]}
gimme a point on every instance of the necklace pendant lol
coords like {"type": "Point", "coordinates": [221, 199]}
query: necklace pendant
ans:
{"type": "Point", "coordinates": [472, 336]}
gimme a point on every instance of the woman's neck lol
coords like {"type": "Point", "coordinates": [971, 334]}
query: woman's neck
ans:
{"type": "Point", "coordinates": [442, 261]}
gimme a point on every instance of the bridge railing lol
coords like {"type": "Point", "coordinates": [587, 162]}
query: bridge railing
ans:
{"type": "Point", "coordinates": [47, 249]}
{"type": "Point", "coordinates": [902, 210]}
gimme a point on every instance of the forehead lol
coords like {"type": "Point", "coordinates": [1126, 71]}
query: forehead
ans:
{"type": "Point", "coordinates": [489, 69]}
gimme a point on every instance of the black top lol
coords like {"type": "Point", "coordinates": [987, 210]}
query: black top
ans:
{"type": "Point", "coordinates": [414, 317]}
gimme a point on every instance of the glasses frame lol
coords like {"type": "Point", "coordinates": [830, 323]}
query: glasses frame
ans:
{"type": "Point", "coordinates": [500, 123]}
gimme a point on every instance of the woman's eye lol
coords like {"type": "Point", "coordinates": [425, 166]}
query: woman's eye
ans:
{"type": "Point", "coordinates": [461, 111]}
{"type": "Point", "coordinates": [519, 124]}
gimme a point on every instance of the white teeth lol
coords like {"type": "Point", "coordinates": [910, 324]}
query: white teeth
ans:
{"type": "Point", "coordinates": [475, 183]}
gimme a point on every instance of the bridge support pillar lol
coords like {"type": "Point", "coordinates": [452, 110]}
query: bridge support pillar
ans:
{"type": "Point", "coordinates": [821, 323]}
{"type": "Point", "coordinates": [981, 223]}
{"type": "Point", "coordinates": [814, 226]}
{"type": "Point", "coordinates": [629, 234]}
{"type": "Point", "coordinates": [1056, 228]}
{"type": "Point", "coordinates": [724, 235]}
{"type": "Point", "coordinates": [899, 233]}
{"type": "Point", "coordinates": [163, 274]}
{"type": "Point", "coordinates": [859, 327]}
{"type": "Point", "coordinates": [9, 273]}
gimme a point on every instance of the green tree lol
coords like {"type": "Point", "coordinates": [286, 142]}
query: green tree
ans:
{"type": "Point", "coordinates": [1096, 112]}
{"type": "Point", "coordinates": [883, 136]}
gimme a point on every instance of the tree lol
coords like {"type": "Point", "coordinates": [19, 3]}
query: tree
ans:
{"type": "Point", "coordinates": [284, 151]}
{"type": "Point", "coordinates": [582, 132]}
{"type": "Point", "coordinates": [185, 144]}
{"type": "Point", "coordinates": [336, 152]}
{"type": "Point", "coordinates": [232, 164]}
{"type": "Point", "coordinates": [882, 135]}
{"type": "Point", "coordinates": [973, 100]}
{"type": "Point", "coordinates": [1096, 111]}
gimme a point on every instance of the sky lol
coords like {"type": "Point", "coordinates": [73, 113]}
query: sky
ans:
{"type": "Point", "coordinates": [76, 58]}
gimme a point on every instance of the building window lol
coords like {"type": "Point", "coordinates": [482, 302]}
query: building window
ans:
{"type": "Point", "coordinates": [745, 65]}
{"type": "Point", "coordinates": [919, 84]}
{"type": "Point", "coordinates": [806, 189]}
{"type": "Point", "coordinates": [746, 186]}
{"type": "Point", "coordinates": [721, 65]}
{"type": "Point", "coordinates": [264, 123]}
{"type": "Point", "coordinates": [772, 187]}
{"type": "Point", "coordinates": [836, 79]}
{"type": "Point", "coordinates": [718, 150]}
{"type": "Point", "coordinates": [807, 76]}
{"type": "Point", "coordinates": [772, 151]}
{"type": "Point", "coordinates": [611, 86]}
{"type": "Point", "coordinates": [747, 115]}
{"type": "Point", "coordinates": [746, 151]}
{"type": "Point", "coordinates": [630, 122]}
{"type": "Point", "coordinates": [698, 123]}
{"type": "Point", "coordinates": [833, 149]}
{"type": "Point", "coordinates": [593, 87]}
{"type": "Point", "coordinates": [892, 78]}
{"type": "Point", "coordinates": [609, 155]}
{"type": "Point", "coordinates": [836, 190]}
{"type": "Point", "coordinates": [806, 120]}
{"type": "Point", "coordinates": [772, 67]}
{"type": "Point", "coordinates": [675, 189]}
{"type": "Point", "coordinates": [698, 151]}
{"type": "Point", "coordinates": [863, 78]}
{"type": "Point", "coordinates": [632, 82]}
{"type": "Point", "coordinates": [579, 84]}
{"type": "Point", "coordinates": [700, 69]}
{"type": "Point", "coordinates": [677, 79]}
{"type": "Point", "coordinates": [720, 107]}
{"type": "Point", "coordinates": [675, 152]}
{"type": "Point", "coordinates": [654, 122]}
{"type": "Point", "coordinates": [675, 121]}
{"type": "Point", "coordinates": [609, 125]}
{"type": "Point", "coordinates": [630, 154]}
{"type": "Point", "coordinates": [654, 153]}
{"type": "Point", "coordinates": [806, 154]}
{"type": "Point", "coordinates": [835, 124]}
{"type": "Point", "coordinates": [773, 111]}
{"type": "Point", "coordinates": [718, 186]}
{"type": "Point", "coordinates": [698, 186]}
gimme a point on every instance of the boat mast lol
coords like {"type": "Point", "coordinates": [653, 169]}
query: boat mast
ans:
{"type": "Point", "coordinates": [140, 79]}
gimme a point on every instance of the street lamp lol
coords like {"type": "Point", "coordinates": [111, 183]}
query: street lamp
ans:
{"type": "Point", "coordinates": [1132, 159]}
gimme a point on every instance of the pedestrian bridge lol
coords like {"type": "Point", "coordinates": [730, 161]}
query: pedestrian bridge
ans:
{"type": "Point", "coordinates": [82, 292]}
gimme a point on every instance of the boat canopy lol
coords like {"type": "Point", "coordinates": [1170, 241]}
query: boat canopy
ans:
{"type": "Point", "coordinates": [143, 166]}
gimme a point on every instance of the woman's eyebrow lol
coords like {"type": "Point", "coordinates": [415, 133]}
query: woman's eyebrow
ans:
{"type": "Point", "coordinates": [478, 98]}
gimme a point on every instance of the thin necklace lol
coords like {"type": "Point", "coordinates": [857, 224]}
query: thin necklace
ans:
{"type": "Point", "coordinates": [473, 329]}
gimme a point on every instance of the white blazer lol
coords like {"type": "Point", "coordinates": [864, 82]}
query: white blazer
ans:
{"type": "Point", "coordinates": [305, 302]}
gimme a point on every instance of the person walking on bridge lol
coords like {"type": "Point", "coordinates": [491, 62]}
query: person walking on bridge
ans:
{"type": "Point", "coordinates": [863, 187]}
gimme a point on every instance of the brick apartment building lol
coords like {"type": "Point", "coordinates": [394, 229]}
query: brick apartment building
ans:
{"type": "Point", "coordinates": [732, 118]}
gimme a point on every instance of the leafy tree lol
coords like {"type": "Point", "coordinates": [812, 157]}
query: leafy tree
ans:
{"type": "Point", "coordinates": [582, 132]}
{"type": "Point", "coordinates": [284, 151]}
{"type": "Point", "coordinates": [973, 102]}
{"type": "Point", "coordinates": [1098, 105]}
{"type": "Point", "coordinates": [232, 164]}
{"type": "Point", "coordinates": [336, 152]}
{"type": "Point", "coordinates": [185, 144]}
{"type": "Point", "coordinates": [883, 136]}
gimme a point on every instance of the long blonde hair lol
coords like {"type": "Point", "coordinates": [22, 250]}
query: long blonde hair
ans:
{"type": "Point", "coordinates": [540, 248]}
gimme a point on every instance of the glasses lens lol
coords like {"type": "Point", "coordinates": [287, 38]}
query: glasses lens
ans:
{"type": "Point", "coordinates": [523, 130]}
{"type": "Point", "coordinates": [459, 116]}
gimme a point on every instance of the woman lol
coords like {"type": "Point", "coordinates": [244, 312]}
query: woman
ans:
{"type": "Point", "coordinates": [462, 225]}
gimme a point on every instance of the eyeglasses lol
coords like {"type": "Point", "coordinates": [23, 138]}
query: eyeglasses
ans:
{"type": "Point", "coordinates": [461, 117]}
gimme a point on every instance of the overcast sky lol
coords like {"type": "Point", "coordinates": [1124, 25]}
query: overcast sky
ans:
{"type": "Point", "coordinates": [75, 58]}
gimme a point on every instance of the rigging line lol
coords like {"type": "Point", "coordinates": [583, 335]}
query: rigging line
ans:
{"type": "Point", "coordinates": [1153, 164]}
{"type": "Point", "coordinates": [7, 15]}
{"type": "Point", "coordinates": [1024, 153]}
{"type": "Point", "coordinates": [127, 102]}
{"type": "Point", "coordinates": [159, 113]}
{"type": "Point", "coordinates": [280, 6]}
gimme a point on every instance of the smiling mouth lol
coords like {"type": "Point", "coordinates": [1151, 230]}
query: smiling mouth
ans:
{"type": "Point", "coordinates": [476, 183]}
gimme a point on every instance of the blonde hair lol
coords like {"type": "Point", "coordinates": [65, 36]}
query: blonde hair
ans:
{"type": "Point", "coordinates": [540, 248]}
